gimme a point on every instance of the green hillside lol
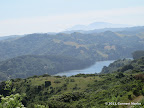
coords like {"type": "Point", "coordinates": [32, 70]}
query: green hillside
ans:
{"type": "Point", "coordinates": [138, 54]}
{"type": "Point", "coordinates": [95, 46]}
{"type": "Point", "coordinates": [30, 65]}
{"type": "Point", "coordinates": [81, 91]}
{"type": "Point", "coordinates": [84, 48]}
{"type": "Point", "coordinates": [42, 55]}
{"type": "Point", "coordinates": [126, 65]}
{"type": "Point", "coordinates": [115, 66]}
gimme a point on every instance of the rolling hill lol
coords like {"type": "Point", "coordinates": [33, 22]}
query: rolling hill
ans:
{"type": "Point", "coordinates": [79, 91]}
{"type": "Point", "coordinates": [101, 46]}
{"type": "Point", "coordinates": [30, 65]}
{"type": "Point", "coordinates": [17, 53]}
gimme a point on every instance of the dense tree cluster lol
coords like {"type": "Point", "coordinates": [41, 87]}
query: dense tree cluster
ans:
{"type": "Point", "coordinates": [30, 65]}
{"type": "Point", "coordinates": [138, 54]}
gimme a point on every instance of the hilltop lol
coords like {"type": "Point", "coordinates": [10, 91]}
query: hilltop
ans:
{"type": "Point", "coordinates": [95, 46]}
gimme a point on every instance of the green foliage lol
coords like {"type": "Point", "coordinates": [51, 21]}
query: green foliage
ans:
{"type": "Point", "coordinates": [8, 85]}
{"type": "Point", "coordinates": [116, 65]}
{"type": "Point", "coordinates": [94, 92]}
{"type": "Point", "coordinates": [33, 65]}
{"type": "Point", "coordinates": [40, 106]}
{"type": "Point", "coordinates": [126, 66]}
{"type": "Point", "coordinates": [79, 91]}
{"type": "Point", "coordinates": [68, 97]}
{"type": "Point", "coordinates": [120, 75]}
{"type": "Point", "coordinates": [72, 80]}
{"type": "Point", "coordinates": [12, 101]}
{"type": "Point", "coordinates": [138, 54]}
{"type": "Point", "coordinates": [20, 58]}
{"type": "Point", "coordinates": [47, 83]}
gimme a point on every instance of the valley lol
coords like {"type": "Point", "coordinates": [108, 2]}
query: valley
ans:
{"type": "Point", "coordinates": [76, 70]}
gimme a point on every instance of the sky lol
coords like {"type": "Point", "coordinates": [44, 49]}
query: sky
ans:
{"type": "Point", "coordinates": [18, 17]}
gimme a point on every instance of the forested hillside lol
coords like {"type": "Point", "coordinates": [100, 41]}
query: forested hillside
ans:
{"type": "Point", "coordinates": [71, 54]}
{"type": "Point", "coordinates": [80, 48]}
{"type": "Point", "coordinates": [80, 91]}
{"type": "Point", "coordinates": [115, 65]}
{"type": "Point", "coordinates": [127, 65]}
{"type": "Point", "coordinates": [138, 54]}
{"type": "Point", "coordinates": [30, 65]}
{"type": "Point", "coordinates": [95, 46]}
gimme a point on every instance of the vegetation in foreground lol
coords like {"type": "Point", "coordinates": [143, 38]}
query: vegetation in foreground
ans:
{"type": "Point", "coordinates": [80, 91]}
{"type": "Point", "coordinates": [124, 85]}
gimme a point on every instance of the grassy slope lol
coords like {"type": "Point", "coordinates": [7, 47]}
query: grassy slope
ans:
{"type": "Point", "coordinates": [83, 91]}
{"type": "Point", "coordinates": [92, 91]}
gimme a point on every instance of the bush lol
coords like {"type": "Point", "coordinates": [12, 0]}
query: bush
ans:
{"type": "Point", "coordinates": [136, 92]}
{"type": "Point", "coordinates": [12, 101]}
{"type": "Point", "coordinates": [47, 83]}
{"type": "Point", "coordinates": [35, 76]}
{"type": "Point", "coordinates": [126, 67]}
{"type": "Point", "coordinates": [129, 97]}
{"type": "Point", "coordinates": [68, 97]}
{"type": "Point", "coordinates": [45, 75]}
{"type": "Point", "coordinates": [120, 75]}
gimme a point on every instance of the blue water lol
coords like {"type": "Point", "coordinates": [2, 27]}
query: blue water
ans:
{"type": "Point", "coordinates": [96, 68]}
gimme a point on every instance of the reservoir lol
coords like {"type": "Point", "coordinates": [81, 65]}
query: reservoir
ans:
{"type": "Point", "coordinates": [96, 68]}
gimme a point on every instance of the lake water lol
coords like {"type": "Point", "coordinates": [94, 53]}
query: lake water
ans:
{"type": "Point", "coordinates": [96, 68]}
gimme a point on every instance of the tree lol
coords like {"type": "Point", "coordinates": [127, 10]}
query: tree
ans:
{"type": "Point", "coordinates": [47, 83]}
{"type": "Point", "coordinates": [12, 101]}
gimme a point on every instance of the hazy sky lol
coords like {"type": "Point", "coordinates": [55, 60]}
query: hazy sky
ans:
{"type": "Point", "coordinates": [36, 16]}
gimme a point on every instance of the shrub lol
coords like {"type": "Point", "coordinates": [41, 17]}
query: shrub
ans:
{"type": "Point", "coordinates": [120, 75]}
{"type": "Point", "coordinates": [45, 75]}
{"type": "Point", "coordinates": [136, 92]}
{"type": "Point", "coordinates": [12, 101]}
{"type": "Point", "coordinates": [129, 97]}
{"type": "Point", "coordinates": [47, 83]}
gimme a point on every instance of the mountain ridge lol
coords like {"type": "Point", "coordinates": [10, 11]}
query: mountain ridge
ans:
{"type": "Point", "coordinates": [97, 25]}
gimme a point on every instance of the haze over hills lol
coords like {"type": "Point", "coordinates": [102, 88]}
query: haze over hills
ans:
{"type": "Point", "coordinates": [80, 48]}
{"type": "Point", "coordinates": [101, 46]}
{"type": "Point", "coordinates": [126, 30]}
{"type": "Point", "coordinates": [97, 25]}
{"type": "Point", "coordinates": [47, 54]}
{"type": "Point", "coordinates": [72, 54]}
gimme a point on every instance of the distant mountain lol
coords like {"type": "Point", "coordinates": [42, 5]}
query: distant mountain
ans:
{"type": "Point", "coordinates": [95, 46]}
{"type": "Point", "coordinates": [97, 25]}
{"type": "Point", "coordinates": [126, 31]}
{"type": "Point", "coordinates": [83, 48]}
